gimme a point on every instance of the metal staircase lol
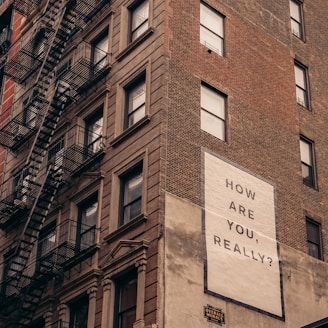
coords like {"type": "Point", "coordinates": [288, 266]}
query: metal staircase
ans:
{"type": "Point", "coordinates": [56, 26]}
{"type": "Point", "coordinates": [37, 184]}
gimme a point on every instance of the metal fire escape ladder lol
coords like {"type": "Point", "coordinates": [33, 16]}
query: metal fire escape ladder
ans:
{"type": "Point", "coordinates": [62, 23]}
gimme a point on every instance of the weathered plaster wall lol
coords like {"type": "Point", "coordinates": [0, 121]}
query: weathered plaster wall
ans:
{"type": "Point", "coordinates": [304, 279]}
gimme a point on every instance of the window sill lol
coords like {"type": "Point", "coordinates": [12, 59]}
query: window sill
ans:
{"type": "Point", "coordinates": [134, 44]}
{"type": "Point", "coordinates": [139, 220]}
{"type": "Point", "coordinates": [132, 129]}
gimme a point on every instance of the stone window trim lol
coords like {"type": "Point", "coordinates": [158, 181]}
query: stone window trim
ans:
{"type": "Point", "coordinates": [126, 46]}
{"type": "Point", "coordinates": [114, 227]}
{"type": "Point", "coordinates": [90, 289]}
{"type": "Point", "coordinates": [125, 256]}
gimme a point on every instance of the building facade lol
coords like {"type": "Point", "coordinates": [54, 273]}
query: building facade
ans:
{"type": "Point", "coordinates": [163, 163]}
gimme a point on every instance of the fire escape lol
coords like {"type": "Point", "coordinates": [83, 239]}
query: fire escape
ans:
{"type": "Point", "coordinates": [30, 194]}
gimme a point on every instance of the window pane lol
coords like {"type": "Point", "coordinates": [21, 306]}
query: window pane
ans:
{"type": "Point", "coordinates": [79, 313]}
{"type": "Point", "coordinates": [313, 237]}
{"type": "Point", "coordinates": [295, 11]}
{"type": "Point", "coordinates": [139, 15]}
{"type": "Point", "coordinates": [212, 125]}
{"type": "Point", "coordinates": [211, 20]}
{"type": "Point", "coordinates": [211, 41]}
{"type": "Point", "coordinates": [313, 250]}
{"type": "Point", "coordinates": [136, 99]}
{"type": "Point", "coordinates": [100, 50]}
{"type": "Point", "coordinates": [132, 195]}
{"type": "Point", "coordinates": [137, 115]}
{"type": "Point", "coordinates": [306, 152]}
{"type": "Point", "coordinates": [139, 22]}
{"type": "Point", "coordinates": [300, 77]}
{"type": "Point", "coordinates": [89, 215]}
{"type": "Point", "coordinates": [296, 28]}
{"type": "Point", "coordinates": [212, 102]}
{"type": "Point", "coordinates": [48, 242]}
{"type": "Point", "coordinates": [94, 132]}
{"type": "Point", "coordinates": [133, 188]}
{"type": "Point", "coordinates": [137, 96]}
{"type": "Point", "coordinates": [301, 96]}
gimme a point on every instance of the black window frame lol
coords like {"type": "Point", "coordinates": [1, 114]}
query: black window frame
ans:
{"type": "Point", "coordinates": [312, 240]}
{"type": "Point", "coordinates": [82, 228]}
{"type": "Point", "coordinates": [128, 89]}
{"type": "Point", "coordinates": [75, 306]}
{"type": "Point", "coordinates": [310, 180]}
{"type": "Point", "coordinates": [128, 277]}
{"type": "Point", "coordinates": [126, 177]}
{"type": "Point", "coordinates": [89, 122]}
{"type": "Point", "coordinates": [306, 88]}
{"type": "Point", "coordinates": [97, 65]}
{"type": "Point", "coordinates": [132, 10]}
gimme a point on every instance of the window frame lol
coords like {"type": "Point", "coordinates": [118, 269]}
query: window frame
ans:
{"type": "Point", "coordinates": [207, 111]}
{"type": "Point", "coordinates": [98, 65]}
{"type": "Point", "coordinates": [303, 89]}
{"type": "Point", "coordinates": [317, 243]}
{"type": "Point", "coordinates": [90, 121]}
{"type": "Point", "coordinates": [128, 90]}
{"type": "Point", "coordinates": [132, 10]}
{"type": "Point", "coordinates": [74, 306]}
{"type": "Point", "coordinates": [82, 207]}
{"type": "Point", "coordinates": [221, 38]}
{"type": "Point", "coordinates": [124, 178]}
{"type": "Point", "coordinates": [300, 34]}
{"type": "Point", "coordinates": [310, 181]}
{"type": "Point", "coordinates": [121, 281]}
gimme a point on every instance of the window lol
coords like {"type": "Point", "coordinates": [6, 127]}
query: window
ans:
{"type": "Point", "coordinates": [131, 194]}
{"type": "Point", "coordinates": [139, 19]}
{"type": "Point", "coordinates": [47, 241]}
{"type": "Point", "coordinates": [93, 132]}
{"type": "Point", "coordinates": [296, 14]}
{"type": "Point", "coordinates": [46, 245]}
{"type": "Point", "coordinates": [213, 112]}
{"type": "Point", "coordinates": [125, 300]}
{"type": "Point", "coordinates": [56, 155]}
{"type": "Point", "coordinates": [313, 231]}
{"type": "Point", "coordinates": [99, 52]}
{"type": "Point", "coordinates": [211, 29]}
{"type": "Point", "coordinates": [307, 159]}
{"type": "Point", "coordinates": [301, 79]}
{"type": "Point", "coordinates": [86, 225]}
{"type": "Point", "coordinates": [78, 311]}
{"type": "Point", "coordinates": [135, 101]}
{"type": "Point", "coordinates": [21, 187]}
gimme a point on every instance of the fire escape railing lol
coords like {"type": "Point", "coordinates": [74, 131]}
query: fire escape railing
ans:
{"type": "Point", "coordinates": [83, 147]}
{"type": "Point", "coordinates": [40, 56]}
{"type": "Point", "coordinates": [84, 68]}
{"type": "Point", "coordinates": [18, 193]}
{"type": "Point", "coordinates": [73, 242]}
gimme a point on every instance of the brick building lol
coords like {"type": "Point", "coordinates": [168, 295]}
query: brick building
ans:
{"type": "Point", "coordinates": [163, 163]}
